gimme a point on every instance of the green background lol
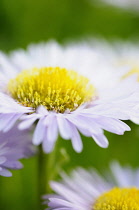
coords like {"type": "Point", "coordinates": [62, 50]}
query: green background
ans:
{"type": "Point", "coordinates": [28, 21]}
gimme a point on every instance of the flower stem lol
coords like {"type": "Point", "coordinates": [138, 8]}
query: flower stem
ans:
{"type": "Point", "coordinates": [44, 175]}
{"type": "Point", "coordinates": [49, 166]}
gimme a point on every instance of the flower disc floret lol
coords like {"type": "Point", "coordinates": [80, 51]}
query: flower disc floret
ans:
{"type": "Point", "coordinates": [58, 89]}
{"type": "Point", "coordinates": [118, 199]}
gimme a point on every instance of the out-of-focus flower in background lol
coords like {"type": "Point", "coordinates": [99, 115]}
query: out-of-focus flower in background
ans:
{"type": "Point", "coordinates": [87, 190]}
{"type": "Point", "coordinates": [14, 145]}
{"type": "Point", "coordinates": [126, 4]}
{"type": "Point", "coordinates": [67, 90]}
{"type": "Point", "coordinates": [121, 54]}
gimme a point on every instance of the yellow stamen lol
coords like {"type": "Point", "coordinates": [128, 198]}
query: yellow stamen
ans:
{"type": "Point", "coordinates": [118, 199]}
{"type": "Point", "coordinates": [58, 89]}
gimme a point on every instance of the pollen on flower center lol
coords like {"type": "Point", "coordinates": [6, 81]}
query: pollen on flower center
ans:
{"type": "Point", "coordinates": [118, 199]}
{"type": "Point", "coordinates": [57, 89]}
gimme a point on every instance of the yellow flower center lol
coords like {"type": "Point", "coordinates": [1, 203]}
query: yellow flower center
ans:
{"type": "Point", "coordinates": [118, 199]}
{"type": "Point", "coordinates": [57, 89]}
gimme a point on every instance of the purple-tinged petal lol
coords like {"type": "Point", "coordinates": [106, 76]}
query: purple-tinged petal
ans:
{"type": "Point", "coordinates": [101, 140]}
{"type": "Point", "coordinates": [5, 172]}
{"type": "Point", "coordinates": [112, 125]}
{"type": "Point", "coordinates": [2, 159]}
{"type": "Point", "coordinates": [76, 139]}
{"type": "Point", "coordinates": [51, 134]}
{"type": "Point", "coordinates": [27, 122]}
{"type": "Point", "coordinates": [39, 132]}
{"type": "Point", "coordinates": [64, 127]}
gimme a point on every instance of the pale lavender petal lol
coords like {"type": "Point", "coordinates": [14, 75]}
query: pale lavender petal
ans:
{"type": "Point", "coordinates": [65, 192]}
{"type": "Point", "coordinates": [121, 175]}
{"type": "Point", "coordinates": [14, 145]}
{"type": "Point", "coordinates": [52, 130]}
{"type": "Point", "coordinates": [27, 122]}
{"type": "Point", "coordinates": [50, 135]}
{"type": "Point", "coordinates": [64, 127]}
{"type": "Point", "coordinates": [5, 172]}
{"type": "Point", "coordinates": [9, 105]}
{"type": "Point", "coordinates": [47, 146]}
{"type": "Point", "coordinates": [101, 140]}
{"type": "Point", "coordinates": [85, 132]}
{"type": "Point", "coordinates": [11, 122]}
{"type": "Point", "coordinates": [42, 111]}
{"type": "Point", "coordinates": [13, 164]}
{"type": "Point", "coordinates": [76, 139]}
{"type": "Point", "coordinates": [2, 159]}
{"type": "Point", "coordinates": [4, 119]}
{"type": "Point", "coordinates": [8, 120]}
{"type": "Point", "coordinates": [112, 125]}
{"type": "Point", "coordinates": [85, 122]}
{"type": "Point", "coordinates": [39, 132]}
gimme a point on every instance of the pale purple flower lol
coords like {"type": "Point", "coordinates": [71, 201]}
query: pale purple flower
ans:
{"type": "Point", "coordinates": [114, 101]}
{"type": "Point", "coordinates": [14, 145]}
{"type": "Point", "coordinates": [84, 188]}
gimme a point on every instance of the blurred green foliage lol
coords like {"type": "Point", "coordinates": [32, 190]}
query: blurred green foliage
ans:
{"type": "Point", "coordinates": [26, 21]}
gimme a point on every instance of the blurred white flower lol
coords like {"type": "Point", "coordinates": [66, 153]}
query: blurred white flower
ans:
{"type": "Point", "coordinates": [124, 55]}
{"type": "Point", "coordinates": [64, 90]}
{"type": "Point", "coordinates": [126, 4]}
{"type": "Point", "coordinates": [87, 190]}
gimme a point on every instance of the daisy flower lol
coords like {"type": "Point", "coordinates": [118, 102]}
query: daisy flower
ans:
{"type": "Point", "coordinates": [14, 145]}
{"type": "Point", "coordinates": [64, 90]}
{"type": "Point", "coordinates": [87, 190]}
